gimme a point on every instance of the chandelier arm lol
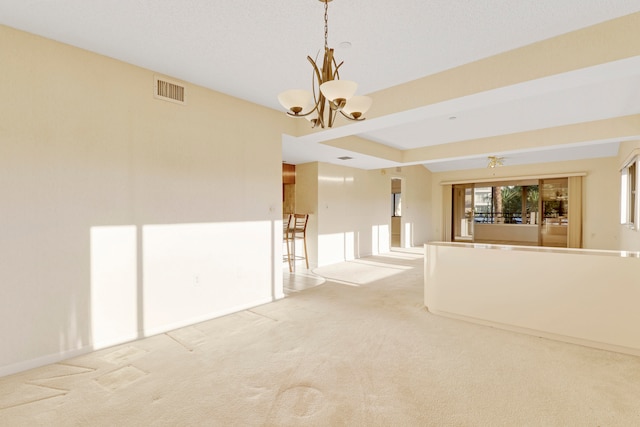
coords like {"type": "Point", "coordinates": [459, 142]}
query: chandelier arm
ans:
{"type": "Point", "coordinates": [332, 116]}
{"type": "Point", "coordinates": [302, 115]}
{"type": "Point", "coordinates": [352, 118]}
{"type": "Point", "coordinates": [336, 74]}
{"type": "Point", "coordinates": [317, 72]}
{"type": "Point", "coordinates": [321, 104]}
{"type": "Point", "coordinates": [318, 98]}
{"type": "Point", "coordinates": [327, 66]}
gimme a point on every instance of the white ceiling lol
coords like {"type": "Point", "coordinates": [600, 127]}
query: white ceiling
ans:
{"type": "Point", "coordinates": [254, 49]}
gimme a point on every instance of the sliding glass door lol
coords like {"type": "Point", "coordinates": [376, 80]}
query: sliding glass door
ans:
{"type": "Point", "coordinates": [554, 205]}
{"type": "Point", "coordinates": [534, 212]}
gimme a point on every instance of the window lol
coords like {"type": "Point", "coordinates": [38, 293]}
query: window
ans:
{"type": "Point", "coordinates": [628, 194]}
{"type": "Point", "coordinates": [506, 204]}
{"type": "Point", "coordinates": [396, 204]}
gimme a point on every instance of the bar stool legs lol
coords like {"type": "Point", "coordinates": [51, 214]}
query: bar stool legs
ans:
{"type": "Point", "coordinates": [296, 229]}
{"type": "Point", "coordinates": [285, 236]}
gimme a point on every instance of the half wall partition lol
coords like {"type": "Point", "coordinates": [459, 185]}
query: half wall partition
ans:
{"type": "Point", "coordinates": [582, 296]}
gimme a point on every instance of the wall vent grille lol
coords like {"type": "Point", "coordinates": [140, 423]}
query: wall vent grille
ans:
{"type": "Point", "coordinates": [169, 90]}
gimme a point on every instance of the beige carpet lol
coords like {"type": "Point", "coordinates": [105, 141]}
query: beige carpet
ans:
{"type": "Point", "coordinates": [358, 349]}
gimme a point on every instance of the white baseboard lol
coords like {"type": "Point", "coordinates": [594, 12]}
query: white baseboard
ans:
{"type": "Point", "coordinates": [209, 316]}
{"type": "Point", "coordinates": [14, 368]}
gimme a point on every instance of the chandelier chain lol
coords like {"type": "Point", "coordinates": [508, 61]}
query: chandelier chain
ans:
{"type": "Point", "coordinates": [326, 24]}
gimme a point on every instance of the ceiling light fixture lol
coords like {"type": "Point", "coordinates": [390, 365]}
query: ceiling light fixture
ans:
{"type": "Point", "coordinates": [495, 161]}
{"type": "Point", "coordinates": [330, 94]}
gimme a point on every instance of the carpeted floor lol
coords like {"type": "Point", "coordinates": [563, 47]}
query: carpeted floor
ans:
{"type": "Point", "coordinates": [352, 345]}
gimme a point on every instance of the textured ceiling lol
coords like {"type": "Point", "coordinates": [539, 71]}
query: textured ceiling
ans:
{"type": "Point", "coordinates": [254, 49]}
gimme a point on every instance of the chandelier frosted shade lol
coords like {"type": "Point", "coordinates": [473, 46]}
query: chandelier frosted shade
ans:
{"type": "Point", "coordinates": [357, 106]}
{"type": "Point", "coordinates": [338, 91]}
{"type": "Point", "coordinates": [296, 100]}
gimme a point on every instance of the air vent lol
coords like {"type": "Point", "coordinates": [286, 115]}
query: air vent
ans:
{"type": "Point", "coordinates": [169, 90]}
{"type": "Point", "coordinates": [345, 158]}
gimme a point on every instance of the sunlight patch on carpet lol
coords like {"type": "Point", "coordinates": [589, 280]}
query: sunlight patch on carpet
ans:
{"type": "Point", "coordinates": [357, 273]}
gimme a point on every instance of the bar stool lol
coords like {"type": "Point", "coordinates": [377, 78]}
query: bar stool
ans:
{"type": "Point", "coordinates": [296, 229]}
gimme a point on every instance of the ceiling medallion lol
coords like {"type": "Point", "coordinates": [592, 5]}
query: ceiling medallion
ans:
{"type": "Point", "coordinates": [330, 95]}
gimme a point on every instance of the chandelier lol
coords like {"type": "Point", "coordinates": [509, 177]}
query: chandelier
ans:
{"type": "Point", "coordinates": [330, 95]}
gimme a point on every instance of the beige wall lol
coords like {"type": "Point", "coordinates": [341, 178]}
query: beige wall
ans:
{"type": "Point", "coordinates": [351, 211]}
{"type": "Point", "coordinates": [307, 202]}
{"type": "Point", "coordinates": [123, 215]}
{"type": "Point", "coordinates": [416, 204]}
{"type": "Point", "coordinates": [600, 201]}
{"type": "Point", "coordinates": [629, 239]}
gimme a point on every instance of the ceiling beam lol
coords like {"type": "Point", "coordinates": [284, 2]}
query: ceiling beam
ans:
{"type": "Point", "coordinates": [615, 128]}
